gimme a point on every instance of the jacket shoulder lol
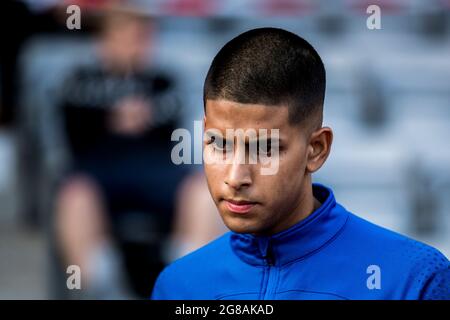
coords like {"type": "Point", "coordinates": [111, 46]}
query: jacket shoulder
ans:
{"type": "Point", "coordinates": [186, 272]}
{"type": "Point", "coordinates": [417, 266]}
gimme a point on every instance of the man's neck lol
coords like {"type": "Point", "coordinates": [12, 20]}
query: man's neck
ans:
{"type": "Point", "coordinates": [307, 205]}
{"type": "Point", "coordinates": [317, 204]}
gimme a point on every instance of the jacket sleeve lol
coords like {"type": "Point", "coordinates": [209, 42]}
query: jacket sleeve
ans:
{"type": "Point", "coordinates": [161, 289]}
{"type": "Point", "coordinates": [438, 286]}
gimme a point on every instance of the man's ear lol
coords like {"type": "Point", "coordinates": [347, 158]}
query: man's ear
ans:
{"type": "Point", "coordinates": [319, 148]}
{"type": "Point", "coordinates": [204, 121]}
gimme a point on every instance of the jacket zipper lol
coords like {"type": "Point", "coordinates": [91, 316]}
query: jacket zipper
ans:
{"type": "Point", "coordinates": [270, 270]}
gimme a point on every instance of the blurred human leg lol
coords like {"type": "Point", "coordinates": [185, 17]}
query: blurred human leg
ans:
{"type": "Point", "coordinates": [84, 239]}
{"type": "Point", "coordinates": [197, 220]}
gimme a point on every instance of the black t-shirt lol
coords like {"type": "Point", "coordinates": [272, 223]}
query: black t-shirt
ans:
{"type": "Point", "coordinates": [89, 94]}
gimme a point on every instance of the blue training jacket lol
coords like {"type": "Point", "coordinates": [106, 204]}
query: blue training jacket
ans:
{"type": "Point", "coordinates": [332, 254]}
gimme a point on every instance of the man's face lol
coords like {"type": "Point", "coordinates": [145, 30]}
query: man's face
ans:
{"type": "Point", "coordinates": [248, 201]}
{"type": "Point", "coordinates": [127, 43]}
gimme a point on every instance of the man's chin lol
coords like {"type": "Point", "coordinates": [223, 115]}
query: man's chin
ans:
{"type": "Point", "coordinates": [241, 226]}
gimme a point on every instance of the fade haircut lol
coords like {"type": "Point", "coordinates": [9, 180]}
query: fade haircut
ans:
{"type": "Point", "coordinates": [269, 66]}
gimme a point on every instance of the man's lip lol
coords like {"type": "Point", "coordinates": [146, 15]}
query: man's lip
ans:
{"type": "Point", "coordinates": [239, 206]}
{"type": "Point", "coordinates": [240, 202]}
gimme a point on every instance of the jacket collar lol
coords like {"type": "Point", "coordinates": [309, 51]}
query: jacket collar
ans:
{"type": "Point", "coordinates": [302, 239]}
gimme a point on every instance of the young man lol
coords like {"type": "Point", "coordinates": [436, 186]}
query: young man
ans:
{"type": "Point", "coordinates": [289, 238]}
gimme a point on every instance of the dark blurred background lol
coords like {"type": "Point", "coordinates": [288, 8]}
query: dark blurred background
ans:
{"type": "Point", "coordinates": [86, 118]}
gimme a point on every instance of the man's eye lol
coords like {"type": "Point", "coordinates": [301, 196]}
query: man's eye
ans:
{"type": "Point", "coordinates": [265, 148]}
{"type": "Point", "coordinates": [218, 144]}
{"type": "Point", "coordinates": [213, 141]}
{"type": "Point", "coordinates": [219, 147]}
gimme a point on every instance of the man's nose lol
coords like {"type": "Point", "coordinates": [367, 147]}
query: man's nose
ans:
{"type": "Point", "coordinates": [238, 175]}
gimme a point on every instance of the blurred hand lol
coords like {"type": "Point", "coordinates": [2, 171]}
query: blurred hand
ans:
{"type": "Point", "coordinates": [130, 116]}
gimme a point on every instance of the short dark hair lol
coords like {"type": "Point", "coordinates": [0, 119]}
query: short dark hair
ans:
{"type": "Point", "coordinates": [269, 66]}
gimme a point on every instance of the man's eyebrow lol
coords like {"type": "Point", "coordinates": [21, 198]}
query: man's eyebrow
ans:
{"type": "Point", "coordinates": [260, 140]}
{"type": "Point", "coordinates": [210, 134]}
{"type": "Point", "coordinates": [265, 140]}
{"type": "Point", "coordinates": [217, 136]}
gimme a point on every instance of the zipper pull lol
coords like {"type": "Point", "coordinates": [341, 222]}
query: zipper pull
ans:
{"type": "Point", "coordinates": [265, 249]}
{"type": "Point", "coordinates": [269, 255]}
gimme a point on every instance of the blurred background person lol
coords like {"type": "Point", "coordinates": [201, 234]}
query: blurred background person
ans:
{"type": "Point", "coordinates": [118, 116]}
{"type": "Point", "coordinates": [120, 192]}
